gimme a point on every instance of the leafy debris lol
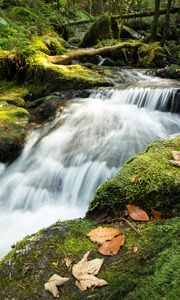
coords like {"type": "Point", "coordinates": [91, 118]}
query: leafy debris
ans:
{"type": "Point", "coordinates": [176, 156]}
{"type": "Point", "coordinates": [101, 234]}
{"type": "Point", "coordinates": [53, 282]}
{"type": "Point", "coordinates": [84, 271]}
{"type": "Point", "coordinates": [112, 247]}
{"type": "Point", "coordinates": [137, 213]}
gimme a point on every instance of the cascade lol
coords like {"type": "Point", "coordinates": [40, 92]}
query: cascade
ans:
{"type": "Point", "coordinates": [64, 161]}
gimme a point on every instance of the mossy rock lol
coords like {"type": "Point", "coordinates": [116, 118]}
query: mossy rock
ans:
{"type": "Point", "coordinates": [100, 30]}
{"type": "Point", "coordinates": [53, 77]}
{"type": "Point", "coordinates": [13, 94]}
{"type": "Point", "coordinates": [150, 273]}
{"type": "Point", "coordinates": [148, 180]}
{"type": "Point", "coordinates": [13, 120]}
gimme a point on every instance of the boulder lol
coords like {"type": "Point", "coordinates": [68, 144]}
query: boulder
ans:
{"type": "Point", "coordinates": [152, 270]}
{"type": "Point", "coordinates": [148, 180]}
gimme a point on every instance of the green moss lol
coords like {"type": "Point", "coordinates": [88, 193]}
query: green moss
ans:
{"type": "Point", "coordinates": [157, 183]}
{"type": "Point", "coordinates": [100, 30]}
{"type": "Point", "coordinates": [13, 113]}
{"type": "Point", "coordinates": [149, 273]}
{"type": "Point", "coordinates": [13, 94]}
{"type": "Point", "coordinates": [151, 53]}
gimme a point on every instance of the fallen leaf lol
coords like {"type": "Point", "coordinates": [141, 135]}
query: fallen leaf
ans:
{"type": "Point", "coordinates": [134, 178]}
{"type": "Point", "coordinates": [156, 214]}
{"type": "Point", "coordinates": [134, 248]}
{"type": "Point", "coordinates": [53, 282]}
{"type": "Point", "coordinates": [176, 155]}
{"type": "Point", "coordinates": [68, 262]}
{"type": "Point", "coordinates": [101, 234]}
{"type": "Point", "coordinates": [175, 162]}
{"type": "Point", "coordinates": [136, 213]}
{"type": "Point", "coordinates": [84, 271]}
{"type": "Point", "coordinates": [112, 247]}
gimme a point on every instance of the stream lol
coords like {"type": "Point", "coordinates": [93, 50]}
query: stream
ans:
{"type": "Point", "coordinates": [65, 160]}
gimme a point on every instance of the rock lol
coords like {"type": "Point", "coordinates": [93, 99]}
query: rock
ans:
{"type": "Point", "coordinates": [100, 30]}
{"type": "Point", "coordinates": [13, 121]}
{"type": "Point", "coordinates": [107, 62]}
{"type": "Point", "coordinates": [130, 276]}
{"type": "Point", "coordinates": [95, 60]}
{"type": "Point", "coordinates": [169, 72]}
{"type": "Point", "coordinates": [157, 183]}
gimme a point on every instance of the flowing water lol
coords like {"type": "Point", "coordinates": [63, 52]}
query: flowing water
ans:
{"type": "Point", "coordinates": [64, 161]}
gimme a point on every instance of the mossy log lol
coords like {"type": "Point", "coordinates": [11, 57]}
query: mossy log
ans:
{"type": "Point", "coordinates": [174, 10]}
{"type": "Point", "coordinates": [150, 273]}
{"type": "Point", "coordinates": [110, 51]}
{"type": "Point", "coordinates": [148, 180]}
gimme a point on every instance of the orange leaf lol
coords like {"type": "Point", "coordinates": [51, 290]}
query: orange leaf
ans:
{"type": "Point", "coordinates": [156, 214]}
{"type": "Point", "coordinates": [101, 234]}
{"type": "Point", "coordinates": [112, 247]}
{"type": "Point", "coordinates": [136, 213]}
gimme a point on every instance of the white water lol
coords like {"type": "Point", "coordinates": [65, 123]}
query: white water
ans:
{"type": "Point", "coordinates": [64, 162]}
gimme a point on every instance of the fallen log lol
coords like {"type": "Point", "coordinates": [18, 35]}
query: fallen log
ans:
{"type": "Point", "coordinates": [173, 10]}
{"type": "Point", "coordinates": [104, 51]}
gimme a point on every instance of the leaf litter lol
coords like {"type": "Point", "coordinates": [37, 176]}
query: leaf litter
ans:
{"type": "Point", "coordinates": [137, 213]}
{"type": "Point", "coordinates": [101, 234]}
{"type": "Point", "coordinates": [53, 282]}
{"type": "Point", "coordinates": [176, 156]}
{"type": "Point", "coordinates": [84, 271]}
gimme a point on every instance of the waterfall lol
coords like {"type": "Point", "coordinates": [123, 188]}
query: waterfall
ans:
{"type": "Point", "coordinates": [64, 161]}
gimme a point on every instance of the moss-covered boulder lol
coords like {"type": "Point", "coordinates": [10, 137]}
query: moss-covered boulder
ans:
{"type": "Point", "coordinates": [150, 273]}
{"type": "Point", "coordinates": [100, 30]}
{"type": "Point", "coordinates": [13, 120]}
{"type": "Point", "coordinates": [148, 180]}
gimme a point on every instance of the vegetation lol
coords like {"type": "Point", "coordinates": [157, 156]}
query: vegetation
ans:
{"type": "Point", "coordinates": [148, 180]}
{"type": "Point", "coordinates": [37, 57]}
{"type": "Point", "coordinates": [149, 273]}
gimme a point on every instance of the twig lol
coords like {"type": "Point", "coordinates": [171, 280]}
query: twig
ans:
{"type": "Point", "coordinates": [129, 224]}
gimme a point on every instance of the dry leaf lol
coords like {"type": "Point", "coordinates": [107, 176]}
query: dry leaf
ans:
{"type": "Point", "coordinates": [176, 155]}
{"type": "Point", "coordinates": [68, 262]}
{"type": "Point", "coordinates": [134, 248]}
{"type": "Point", "coordinates": [53, 282]}
{"type": "Point", "coordinates": [134, 178]}
{"type": "Point", "coordinates": [84, 271]}
{"type": "Point", "coordinates": [112, 247]}
{"type": "Point", "coordinates": [136, 213]}
{"type": "Point", "coordinates": [175, 162]}
{"type": "Point", "coordinates": [156, 214]}
{"type": "Point", "coordinates": [101, 234]}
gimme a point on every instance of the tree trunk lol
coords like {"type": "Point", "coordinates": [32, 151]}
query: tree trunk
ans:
{"type": "Point", "coordinates": [166, 24]}
{"type": "Point", "coordinates": [104, 51]}
{"type": "Point", "coordinates": [100, 7]}
{"type": "Point", "coordinates": [155, 21]}
{"type": "Point", "coordinates": [89, 8]}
